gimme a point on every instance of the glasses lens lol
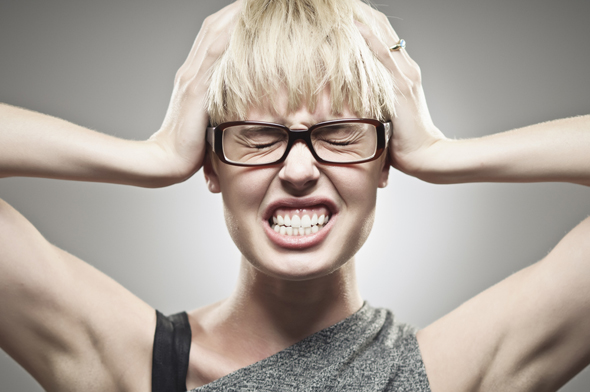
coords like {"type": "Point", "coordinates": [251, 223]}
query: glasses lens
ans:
{"type": "Point", "coordinates": [345, 142]}
{"type": "Point", "coordinates": [254, 144]}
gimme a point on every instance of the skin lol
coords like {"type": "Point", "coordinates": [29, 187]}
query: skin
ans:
{"type": "Point", "coordinates": [517, 335]}
{"type": "Point", "coordinates": [282, 293]}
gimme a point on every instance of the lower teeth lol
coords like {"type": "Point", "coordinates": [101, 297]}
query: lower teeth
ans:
{"type": "Point", "coordinates": [296, 231]}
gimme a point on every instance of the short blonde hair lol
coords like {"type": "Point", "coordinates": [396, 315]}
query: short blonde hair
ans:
{"type": "Point", "coordinates": [300, 47]}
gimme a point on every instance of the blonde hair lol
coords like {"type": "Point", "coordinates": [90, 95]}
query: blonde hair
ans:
{"type": "Point", "coordinates": [300, 47]}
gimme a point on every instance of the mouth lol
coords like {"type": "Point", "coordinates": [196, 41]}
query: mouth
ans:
{"type": "Point", "coordinates": [299, 221]}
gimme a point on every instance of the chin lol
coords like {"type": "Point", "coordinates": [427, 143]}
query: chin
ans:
{"type": "Point", "coordinates": [300, 264]}
{"type": "Point", "coordinates": [297, 267]}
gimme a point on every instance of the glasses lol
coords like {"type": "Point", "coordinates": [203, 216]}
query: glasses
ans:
{"type": "Point", "coordinates": [345, 141]}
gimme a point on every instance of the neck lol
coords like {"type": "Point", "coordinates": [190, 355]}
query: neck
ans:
{"type": "Point", "coordinates": [288, 311]}
{"type": "Point", "coordinates": [265, 315]}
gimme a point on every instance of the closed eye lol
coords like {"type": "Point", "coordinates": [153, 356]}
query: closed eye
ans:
{"type": "Point", "coordinates": [263, 146]}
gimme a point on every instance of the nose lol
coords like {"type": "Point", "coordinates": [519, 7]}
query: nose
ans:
{"type": "Point", "coordinates": [300, 169]}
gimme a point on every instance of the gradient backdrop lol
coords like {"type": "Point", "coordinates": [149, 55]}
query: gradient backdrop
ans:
{"type": "Point", "coordinates": [488, 66]}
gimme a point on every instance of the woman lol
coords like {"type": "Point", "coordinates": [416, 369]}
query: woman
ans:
{"type": "Point", "coordinates": [288, 288]}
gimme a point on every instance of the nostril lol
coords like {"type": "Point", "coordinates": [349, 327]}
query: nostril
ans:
{"type": "Point", "coordinates": [299, 174]}
{"type": "Point", "coordinates": [300, 168]}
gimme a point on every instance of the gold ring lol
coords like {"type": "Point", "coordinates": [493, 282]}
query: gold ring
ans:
{"type": "Point", "coordinates": [400, 45]}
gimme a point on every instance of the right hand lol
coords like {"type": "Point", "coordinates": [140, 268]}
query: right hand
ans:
{"type": "Point", "coordinates": [182, 134]}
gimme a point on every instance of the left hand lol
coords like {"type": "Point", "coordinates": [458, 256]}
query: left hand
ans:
{"type": "Point", "coordinates": [415, 137]}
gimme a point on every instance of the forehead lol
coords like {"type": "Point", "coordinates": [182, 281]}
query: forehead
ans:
{"type": "Point", "coordinates": [276, 109]}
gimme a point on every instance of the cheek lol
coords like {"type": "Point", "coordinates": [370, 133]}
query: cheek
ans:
{"type": "Point", "coordinates": [358, 189]}
{"type": "Point", "coordinates": [242, 190]}
{"type": "Point", "coordinates": [357, 185]}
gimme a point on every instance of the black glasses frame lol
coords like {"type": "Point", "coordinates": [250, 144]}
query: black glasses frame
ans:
{"type": "Point", "coordinates": [384, 133]}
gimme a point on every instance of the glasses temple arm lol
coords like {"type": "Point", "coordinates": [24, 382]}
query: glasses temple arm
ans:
{"type": "Point", "coordinates": [388, 131]}
{"type": "Point", "coordinates": [210, 137]}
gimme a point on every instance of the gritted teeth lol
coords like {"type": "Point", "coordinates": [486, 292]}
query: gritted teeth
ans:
{"type": "Point", "coordinates": [299, 221]}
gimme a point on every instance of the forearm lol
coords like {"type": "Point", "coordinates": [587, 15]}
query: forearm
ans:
{"type": "Point", "coordinates": [37, 145]}
{"type": "Point", "coordinates": [553, 151]}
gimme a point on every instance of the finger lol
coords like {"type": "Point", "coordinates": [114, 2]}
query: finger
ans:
{"type": "Point", "coordinates": [390, 38]}
{"type": "Point", "coordinates": [404, 66]}
{"type": "Point", "coordinates": [405, 62]}
{"type": "Point", "coordinates": [381, 50]}
{"type": "Point", "coordinates": [214, 35]}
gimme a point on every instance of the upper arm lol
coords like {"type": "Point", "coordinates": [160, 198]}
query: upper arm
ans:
{"type": "Point", "coordinates": [65, 322]}
{"type": "Point", "coordinates": [530, 332]}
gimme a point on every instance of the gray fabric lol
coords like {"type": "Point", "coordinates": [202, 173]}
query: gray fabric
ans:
{"type": "Point", "coordinates": [368, 351]}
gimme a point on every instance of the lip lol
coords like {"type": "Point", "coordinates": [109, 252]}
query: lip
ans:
{"type": "Point", "coordinates": [299, 242]}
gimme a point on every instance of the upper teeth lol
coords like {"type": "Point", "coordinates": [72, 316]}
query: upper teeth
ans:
{"type": "Point", "coordinates": [296, 225]}
{"type": "Point", "coordinates": [296, 221]}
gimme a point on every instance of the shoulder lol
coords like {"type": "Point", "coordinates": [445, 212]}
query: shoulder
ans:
{"type": "Point", "coordinates": [68, 324]}
{"type": "Point", "coordinates": [529, 332]}
{"type": "Point", "coordinates": [389, 348]}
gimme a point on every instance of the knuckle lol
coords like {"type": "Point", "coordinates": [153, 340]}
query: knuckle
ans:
{"type": "Point", "coordinates": [182, 79]}
{"type": "Point", "coordinates": [211, 51]}
{"type": "Point", "coordinates": [408, 86]}
{"type": "Point", "coordinates": [209, 20]}
{"type": "Point", "coordinates": [178, 78]}
{"type": "Point", "coordinates": [216, 49]}
{"type": "Point", "coordinates": [384, 52]}
{"type": "Point", "coordinates": [415, 73]}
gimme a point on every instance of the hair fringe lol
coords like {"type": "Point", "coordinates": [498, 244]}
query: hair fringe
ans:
{"type": "Point", "coordinates": [300, 47]}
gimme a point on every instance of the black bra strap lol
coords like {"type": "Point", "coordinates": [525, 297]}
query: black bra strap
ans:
{"type": "Point", "coordinates": [172, 342]}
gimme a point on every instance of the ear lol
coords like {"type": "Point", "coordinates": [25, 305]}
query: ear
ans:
{"type": "Point", "coordinates": [210, 173]}
{"type": "Point", "coordinates": [384, 175]}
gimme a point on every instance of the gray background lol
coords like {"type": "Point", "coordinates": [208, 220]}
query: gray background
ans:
{"type": "Point", "coordinates": [488, 66]}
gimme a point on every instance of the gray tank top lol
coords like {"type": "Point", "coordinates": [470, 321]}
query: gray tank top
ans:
{"type": "Point", "coordinates": [368, 351]}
